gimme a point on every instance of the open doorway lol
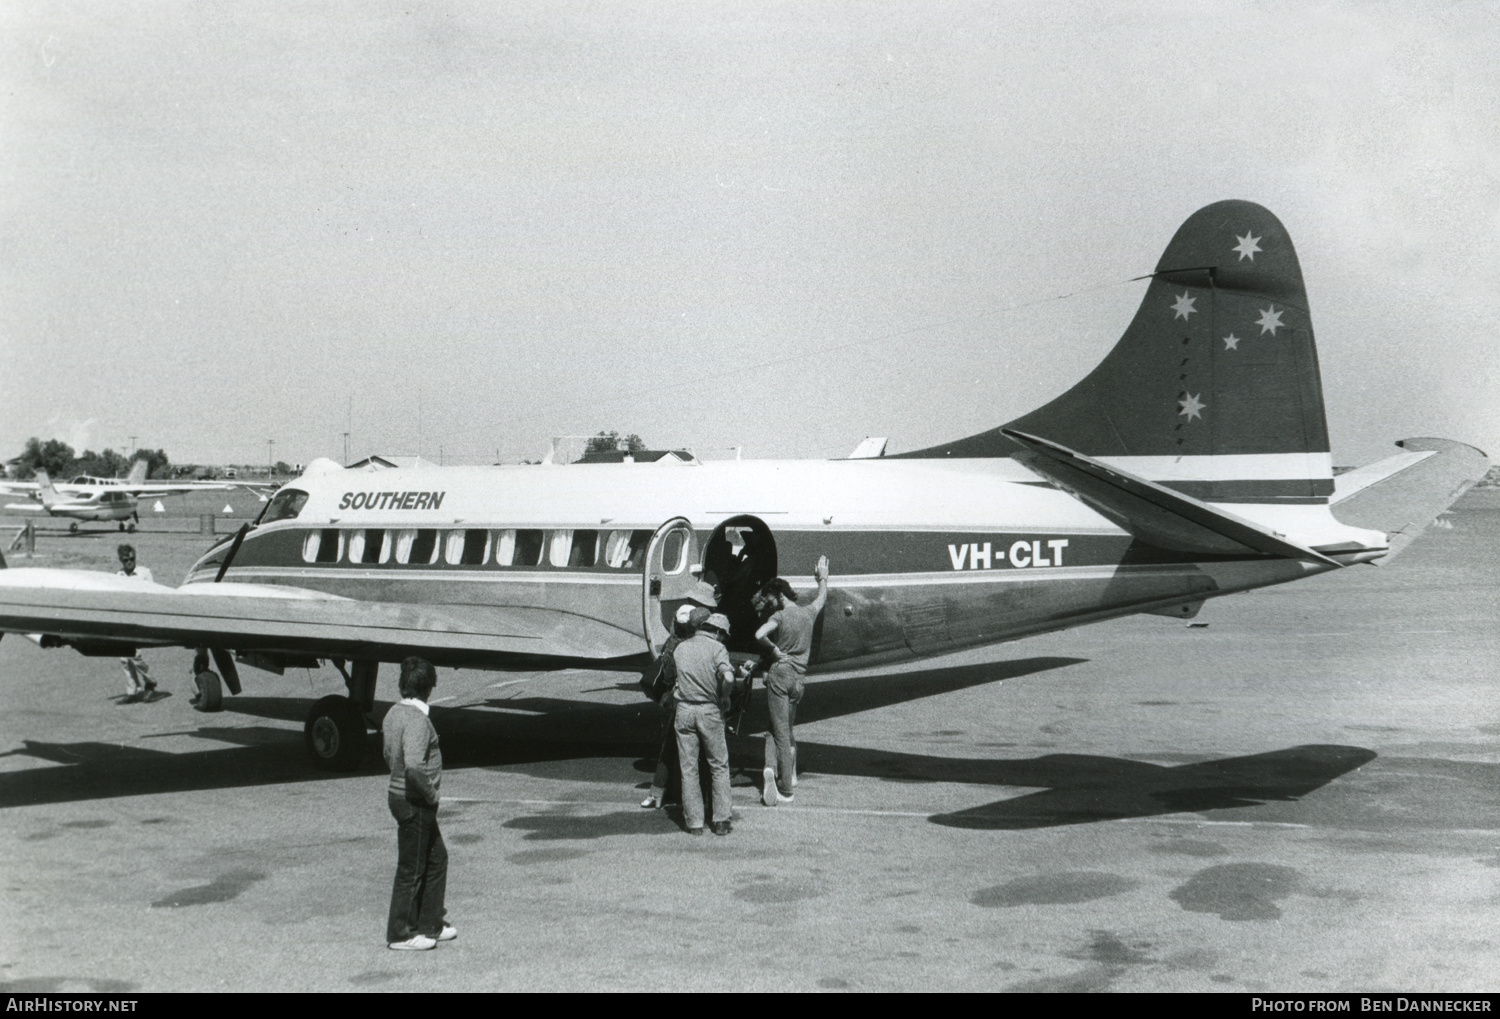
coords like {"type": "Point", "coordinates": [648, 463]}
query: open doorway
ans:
{"type": "Point", "coordinates": [739, 557]}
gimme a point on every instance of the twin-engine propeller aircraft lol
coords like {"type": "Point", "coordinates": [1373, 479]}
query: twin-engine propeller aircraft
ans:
{"type": "Point", "coordinates": [1193, 462]}
{"type": "Point", "coordinates": [101, 503]}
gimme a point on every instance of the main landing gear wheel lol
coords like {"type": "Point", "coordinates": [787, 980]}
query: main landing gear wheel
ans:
{"type": "Point", "coordinates": [335, 734]}
{"type": "Point", "coordinates": [129, 527]}
{"type": "Point", "coordinates": [210, 691]}
{"type": "Point", "coordinates": [73, 527]}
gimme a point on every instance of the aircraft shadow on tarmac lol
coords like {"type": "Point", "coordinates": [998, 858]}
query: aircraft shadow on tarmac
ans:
{"type": "Point", "coordinates": [1081, 788]}
{"type": "Point", "coordinates": [584, 740]}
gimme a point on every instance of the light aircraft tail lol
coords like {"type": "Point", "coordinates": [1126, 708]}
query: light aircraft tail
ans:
{"type": "Point", "coordinates": [137, 473]}
{"type": "Point", "coordinates": [45, 491]}
{"type": "Point", "coordinates": [1213, 393]}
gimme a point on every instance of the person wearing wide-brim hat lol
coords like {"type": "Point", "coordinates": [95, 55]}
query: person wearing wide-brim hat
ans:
{"type": "Point", "coordinates": [703, 676]}
{"type": "Point", "coordinates": [704, 594]}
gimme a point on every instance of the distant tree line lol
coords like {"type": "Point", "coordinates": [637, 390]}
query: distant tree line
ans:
{"type": "Point", "coordinates": [608, 442]}
{"type": "Point", "coordinates": [59, 460]}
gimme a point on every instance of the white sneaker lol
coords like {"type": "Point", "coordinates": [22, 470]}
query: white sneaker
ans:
{"type": "Point", "coordinates": [448, 933]}
{"type": "Point", "coordinates": [650, 803]}
{"type": "Point", "coordinates": [415, 943]}
{"type": "Point", "coordinates": [768, 792]}
{"type": "Point", "coordinates": [784, 799]}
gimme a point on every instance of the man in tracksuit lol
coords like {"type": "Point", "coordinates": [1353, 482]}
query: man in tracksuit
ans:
{"type": "Point", "coordinates": [411, 749]}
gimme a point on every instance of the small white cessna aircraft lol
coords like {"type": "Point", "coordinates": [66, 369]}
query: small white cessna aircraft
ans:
{"type": "Point", "coordinates": [134, 483]}
{"type": "Point", "coordinates": [99, 503]}
{"type": "Point", "coordinates": [1193, 462]}
{"type": "Point", "coordinates": [90, 498]}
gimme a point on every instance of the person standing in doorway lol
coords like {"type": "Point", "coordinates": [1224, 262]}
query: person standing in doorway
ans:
{"type": "Point", "coordinates": [416, 920]}
{"type": "Point", "coordinates": [786, 635]}
{"type": "Point", "coordinates": [138, 682]}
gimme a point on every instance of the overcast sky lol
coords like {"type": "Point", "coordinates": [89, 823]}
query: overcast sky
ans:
{"type": "Point", "coordinates": [782, 226]}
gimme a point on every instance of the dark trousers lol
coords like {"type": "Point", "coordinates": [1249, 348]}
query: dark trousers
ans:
{"type": "Point", "coordinates": [666, 757]}
{"type": "Point", "coordinates": [421, 872]}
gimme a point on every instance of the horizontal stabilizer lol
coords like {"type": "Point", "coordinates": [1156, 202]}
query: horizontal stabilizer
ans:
{"type": "Point", "coordinates": [1361, 478]}
{"type": "Point", "coordinates": [1403, 494]}
{"type": "Point", "coordinates": [1151, 512]}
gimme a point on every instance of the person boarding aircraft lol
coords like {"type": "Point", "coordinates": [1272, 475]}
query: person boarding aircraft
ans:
{"type": "Point", "coordinates": [1192, 463]}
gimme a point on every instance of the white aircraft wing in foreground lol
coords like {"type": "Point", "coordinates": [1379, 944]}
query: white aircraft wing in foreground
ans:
{"type": "Point", "coordinates": [105, 614]}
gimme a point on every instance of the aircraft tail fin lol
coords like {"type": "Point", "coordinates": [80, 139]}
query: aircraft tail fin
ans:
{"type": "Point", "coordinates": [137, 472]}
{"type": "Point", "coordinates": [1214, 389]}
{"type": "Point", "coordinates": [1404, 494]}
{"type": "Point", "coordinates": [45, 491]}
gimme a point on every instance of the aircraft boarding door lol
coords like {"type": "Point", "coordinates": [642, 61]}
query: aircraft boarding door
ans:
{"type": "Point", "coordinates": [669, 577]}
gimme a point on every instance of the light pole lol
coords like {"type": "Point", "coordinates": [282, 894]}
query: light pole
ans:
{"type": "Point", "coordinates": [270, 460]}
{"type": "Point", "coordinates": [346, 449]}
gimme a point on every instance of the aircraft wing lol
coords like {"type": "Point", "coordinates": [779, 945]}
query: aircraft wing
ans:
{"type": "Point", "coordinates": [99, 613]}
{"type": "Point", "coordinates": [1403, 494]}
{"type": "Point", "coordinates": [25, 507]}
{"type": "Point", "coordinates": [144, 491]}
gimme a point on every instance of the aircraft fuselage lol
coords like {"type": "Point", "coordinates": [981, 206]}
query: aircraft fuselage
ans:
{"type": "Point", "coordinates": [104, 506]}
{"type": "Point", "coordinates": [927, 556]}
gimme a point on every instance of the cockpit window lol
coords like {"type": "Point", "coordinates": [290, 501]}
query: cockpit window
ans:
{"type": "Point", "coordinates": [285, 505]}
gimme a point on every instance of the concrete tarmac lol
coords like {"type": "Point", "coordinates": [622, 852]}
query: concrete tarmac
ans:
{"type": "Point", "coordinates": [1304, 794]}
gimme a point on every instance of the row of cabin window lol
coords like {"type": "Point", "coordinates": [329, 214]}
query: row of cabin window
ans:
{"type": "Point", "coordinates": [621, 550]}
